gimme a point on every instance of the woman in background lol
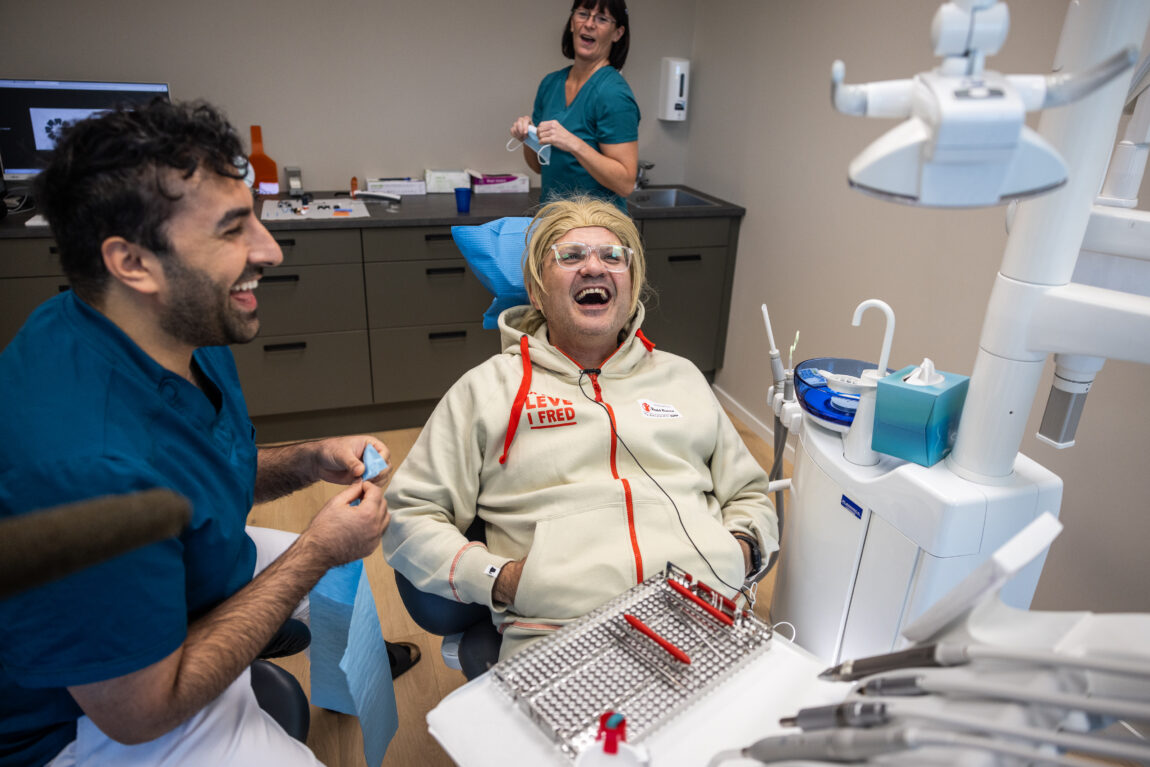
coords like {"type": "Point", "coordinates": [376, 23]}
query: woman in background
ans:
{"type": "Point", "coordinates": [586, 111]}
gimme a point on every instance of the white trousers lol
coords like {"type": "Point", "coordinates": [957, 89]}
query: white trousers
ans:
{"type": "Point", "coordinates": [231, 730]}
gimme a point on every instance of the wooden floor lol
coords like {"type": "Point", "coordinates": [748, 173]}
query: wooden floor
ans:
{"type": "Point", "coordinates": [335, 738]}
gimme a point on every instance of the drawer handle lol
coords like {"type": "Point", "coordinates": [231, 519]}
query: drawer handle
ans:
{"type": "Point", "coordinates": [272, 279]}
{"type": "Point", "coordinates": [288, 347]}
{"type": "Point", "coordinates": [53, 250]}
{"type": "Point", "coordinates": [63, 288]}
{"type": "Point", "coordinates": [441, 270]}
{"type": "Point", "coordinates": [446, 335]}
{"type": "Point", "coordinates": [689, 257]}
{"type": "Point", "coordinates": [287, 242]}
{"type": "Point", "coordinates": [437, 237]}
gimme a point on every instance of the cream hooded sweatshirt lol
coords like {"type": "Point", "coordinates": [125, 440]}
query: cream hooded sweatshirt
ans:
{"type": "Point", "coordinates": [572, 493]}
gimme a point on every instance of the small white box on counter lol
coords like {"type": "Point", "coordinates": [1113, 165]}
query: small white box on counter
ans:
{"type": "Point", "coordinates": [495, 183]}
{"type": "Point", "coordinates": [440, 181]}
{"type": "Point", "coordinates": [397, 185]}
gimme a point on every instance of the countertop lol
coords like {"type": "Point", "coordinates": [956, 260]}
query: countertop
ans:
{"type": "Point", "coordinates": [435, 210]}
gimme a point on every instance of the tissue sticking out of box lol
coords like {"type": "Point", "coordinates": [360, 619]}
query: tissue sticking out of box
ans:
{"type": "Point", "coordinates": [925, 374]}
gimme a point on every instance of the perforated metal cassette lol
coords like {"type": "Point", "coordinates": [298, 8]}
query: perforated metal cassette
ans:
{"type": "Point", "coordinates": [647, 654]}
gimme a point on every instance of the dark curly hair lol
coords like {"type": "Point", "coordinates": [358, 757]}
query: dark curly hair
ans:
{"type": "Point", "coordinates": [107, 177]}
{"type": "Point", "coordinates": [616, 9]}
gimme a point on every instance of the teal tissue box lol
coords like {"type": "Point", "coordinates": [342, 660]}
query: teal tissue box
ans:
{"type": "Point", "coordinates": [917, 423]}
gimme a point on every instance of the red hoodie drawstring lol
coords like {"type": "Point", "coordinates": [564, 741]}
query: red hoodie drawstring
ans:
{"type": "Point", "coordinates": [525, 387]}
{"type": "Point", "coordinates": [520, 399]}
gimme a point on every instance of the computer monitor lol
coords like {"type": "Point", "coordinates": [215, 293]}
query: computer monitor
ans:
{"type": "Point", "coordinates": [33, 111]}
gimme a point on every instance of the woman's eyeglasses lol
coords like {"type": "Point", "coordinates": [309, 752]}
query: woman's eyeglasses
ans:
{"type": "Point", "coordinates": [601, 19]}
{"type": "Point", "coordinates": [573, 255]}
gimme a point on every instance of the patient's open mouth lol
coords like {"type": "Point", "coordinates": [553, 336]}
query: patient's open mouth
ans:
{"type": "Point", "coordinates": [593, 295]}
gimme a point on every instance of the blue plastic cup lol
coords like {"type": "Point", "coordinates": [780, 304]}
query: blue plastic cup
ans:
{"type": "Point", "coordinates": [462, 199]}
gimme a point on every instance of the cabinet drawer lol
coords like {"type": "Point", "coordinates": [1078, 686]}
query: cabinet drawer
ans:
{"type": "Point", "coordinates": [686, 232]}
{"type": "Point", "coordinates": [409, 243]}
{"type": "Point", "coordinates": [295, 373]}
{"type": "Point", "coordinates": [19, 297]}
{"type": "Point", "coordinates": [423, 363]}
{"type": "Point", "coordinates": [423, 293]}
{"type": "Point", "coordinates": [332, 246]}
{"type": "Point", "coordinates": [311, 299]}
{"type": "Point", "coordinates": [684, 316]}
{"type": "Point", "coordinates": [29, 257]}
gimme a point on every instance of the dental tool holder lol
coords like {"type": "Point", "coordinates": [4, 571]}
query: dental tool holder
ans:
{"type": "Point", "coordinates": [602, 662]}
{"type": "Point", "coordinates": [985, 678]}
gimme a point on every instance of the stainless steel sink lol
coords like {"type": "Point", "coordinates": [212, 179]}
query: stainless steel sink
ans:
{"type": "Point", "coordinates": [666, 198]}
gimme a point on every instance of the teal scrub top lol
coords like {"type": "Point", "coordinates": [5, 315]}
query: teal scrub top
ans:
{"type": "Point", "coordinates": [603, 112]}
{"type": "Point", "coordinates": [84, 412]}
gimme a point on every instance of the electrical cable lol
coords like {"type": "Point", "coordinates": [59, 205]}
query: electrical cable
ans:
{"type": "Point", "coordinates": [794, 631]}
{"type": "Point", "coordinates": [16, 203]}
{"type": "Point", "coordinates": [615, 434]}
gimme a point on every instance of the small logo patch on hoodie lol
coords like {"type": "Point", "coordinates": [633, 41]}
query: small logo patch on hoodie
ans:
{"type": "Point", "coordinates": [657, 410]}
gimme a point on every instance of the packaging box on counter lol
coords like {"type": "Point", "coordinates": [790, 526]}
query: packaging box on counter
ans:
{"type": "Point", "coordinates": [445, 181]}
{"type": "Point", "coordinates": [397, 185]}
{"type": "Point", "coordinates": [493, 183]}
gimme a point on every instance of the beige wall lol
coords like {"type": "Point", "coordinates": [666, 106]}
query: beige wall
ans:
{"type": "Point", "coordinates": [387, 88]}
{"type": "Point", "coordinates": [362, 87]}
{"type": "Point", "coordinates": [763, 134]}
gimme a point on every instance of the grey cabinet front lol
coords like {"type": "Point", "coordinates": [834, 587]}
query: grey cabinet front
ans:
{"type": "Point", "coordinates": [423, 362]}
{"type": "Point", "coordinates": [404, 293]}
{"type": "Point", "coordinates": [689, 264]}
{"type": "Point", "coordinates": [307, 371]}
{"type": "Point", "coordinates": [683, 316]}
{"type": "Point", "coordinates": [311, 299]}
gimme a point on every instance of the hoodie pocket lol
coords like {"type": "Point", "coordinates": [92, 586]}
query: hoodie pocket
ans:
{"type": "Point", "coordinates": [662, 540]}
{"type": "Point", "coordinates": [577, 562]}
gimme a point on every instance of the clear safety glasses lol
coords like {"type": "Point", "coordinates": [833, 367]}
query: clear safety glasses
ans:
{"type": "Point", "coordinates": [601, 19]}
{"type": "Point", "coordinates": [573, 255]}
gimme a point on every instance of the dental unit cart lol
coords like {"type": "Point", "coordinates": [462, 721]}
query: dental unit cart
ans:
{"type": "Point", "coordinates": [873, 541]}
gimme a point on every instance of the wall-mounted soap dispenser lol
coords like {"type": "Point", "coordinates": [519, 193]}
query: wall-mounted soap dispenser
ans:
{"type": "Point", "coordinates": [673, 86]}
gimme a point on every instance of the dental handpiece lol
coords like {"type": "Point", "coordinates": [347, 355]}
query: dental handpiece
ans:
{"type": "Point", "coordinates": [956, 654]}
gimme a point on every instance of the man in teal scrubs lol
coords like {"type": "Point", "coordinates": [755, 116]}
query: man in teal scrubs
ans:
{"type": "Point", "coordinates": [126, 383]}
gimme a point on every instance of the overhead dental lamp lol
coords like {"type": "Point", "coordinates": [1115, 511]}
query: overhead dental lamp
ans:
{"type": "Point", "coordinates": [965, 142]}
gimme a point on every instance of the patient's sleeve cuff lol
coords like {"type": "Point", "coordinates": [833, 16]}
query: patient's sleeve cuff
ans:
{"type": "Point", "coordinates": [473, 575]}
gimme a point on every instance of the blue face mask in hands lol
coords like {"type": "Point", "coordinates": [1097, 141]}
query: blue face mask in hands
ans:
{"type": "Point", "coordinates": [532, 141]}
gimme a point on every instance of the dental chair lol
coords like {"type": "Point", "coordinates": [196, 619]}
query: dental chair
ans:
{"type": "Point", "coordinates": [470, 639]}
{"type": "Point", "coordinates": [276, 690]}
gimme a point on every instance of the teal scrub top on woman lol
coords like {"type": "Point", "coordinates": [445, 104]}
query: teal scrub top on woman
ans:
{"type": "Point", "coordinates": [603, 112]}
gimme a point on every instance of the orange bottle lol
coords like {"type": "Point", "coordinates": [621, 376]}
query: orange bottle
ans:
{"type": "Point", "coordinates": [267, 176]}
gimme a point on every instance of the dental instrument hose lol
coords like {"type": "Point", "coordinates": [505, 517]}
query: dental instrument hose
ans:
{"type": "Point", "coordinates": [945, 654]}
{"type": "Point", "coordinates": [839, 746]}
{"type": "Point", "coordinates": [901, 686]}
{"type": "Point", "coordinates": [886, 711]}
{"type": "Point", "coordinates": [780, 433]}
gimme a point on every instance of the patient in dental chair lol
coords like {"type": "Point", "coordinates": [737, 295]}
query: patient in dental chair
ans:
{"type": "Point", "coordinates": [591, 457]}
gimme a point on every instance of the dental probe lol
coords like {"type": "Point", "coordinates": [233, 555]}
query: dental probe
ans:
{"type": "Point", "coordinates": [957, 654]}
{"type": "Point", "coordinates": [880, 712]}
{"type": "Point", "coordinates": [903, 686]}
{"type": "Point", "coordinates": [859, 745]}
